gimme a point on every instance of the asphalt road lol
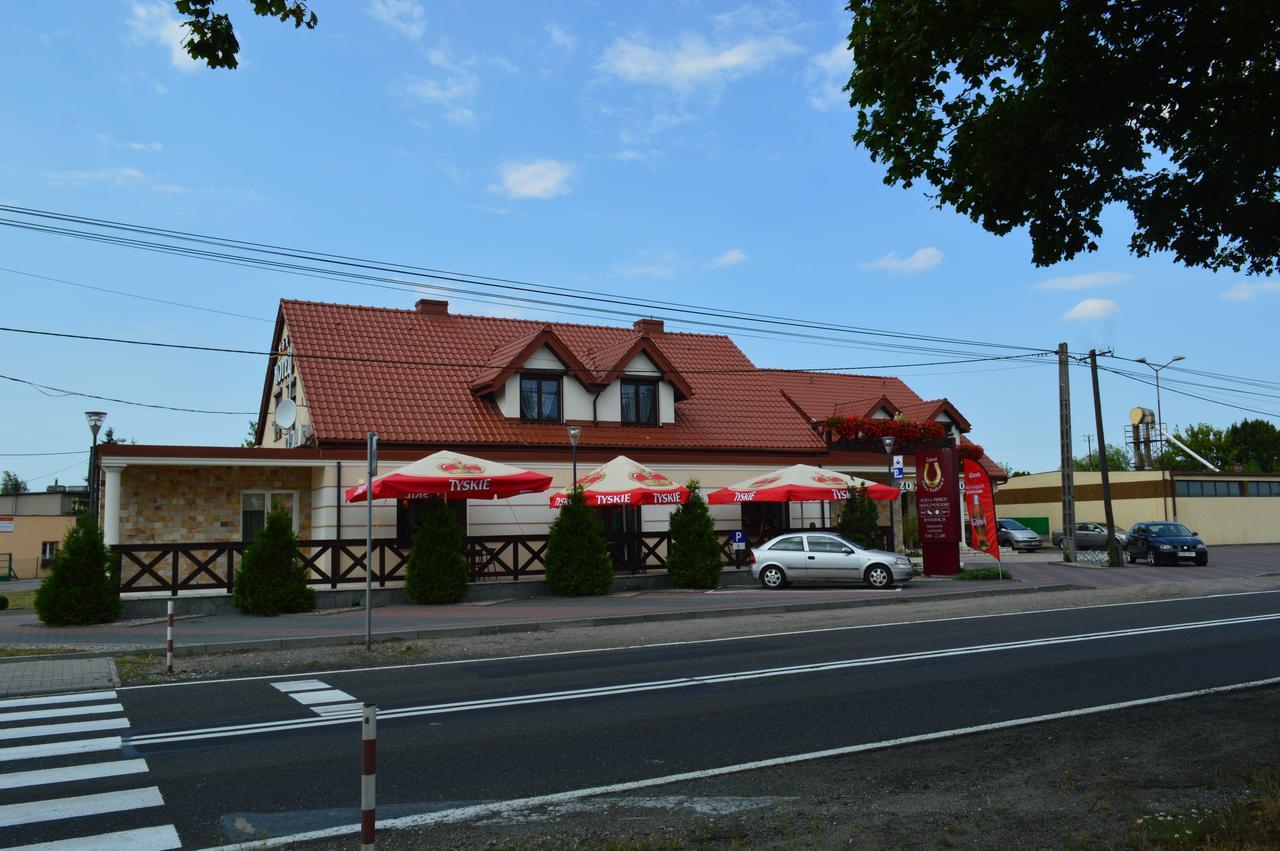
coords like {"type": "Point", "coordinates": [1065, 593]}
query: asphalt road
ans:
{"type": "Point", "coordinates": [239, 760]}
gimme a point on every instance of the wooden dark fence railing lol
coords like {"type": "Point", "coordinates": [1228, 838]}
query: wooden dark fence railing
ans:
{"type": "Point", "coordinates": [213, 565]}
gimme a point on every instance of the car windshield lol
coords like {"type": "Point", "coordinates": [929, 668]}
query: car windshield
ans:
{"type": "Point", "coordinates": [1012, 524]}
{"type": "Point", "coordinates": [1169, 530]}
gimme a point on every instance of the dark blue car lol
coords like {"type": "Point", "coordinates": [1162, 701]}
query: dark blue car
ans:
{"type": "Point", "coordinates": [1163, 542]}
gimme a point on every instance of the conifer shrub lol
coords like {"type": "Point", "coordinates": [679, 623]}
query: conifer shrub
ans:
{"type": "Point", "coordinates": [860, 520]}
{"type": "Point", "coordinates": [83, 587]}
{"type": "Point", "coordinates": [578, 561]}
{"type": "Point", "coordinates": [693, 553]}
{"type": "Point", "coordinates": [271, 579]}
{"type": "Point", "coordinates": [437, 568]}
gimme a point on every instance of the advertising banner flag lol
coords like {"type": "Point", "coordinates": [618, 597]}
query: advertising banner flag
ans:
{"type": "Point", "coordinates": [982, 508]}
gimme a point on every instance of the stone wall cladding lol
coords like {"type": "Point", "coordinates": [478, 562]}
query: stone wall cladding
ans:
{"type": "Point", "coordinates": [166, 505]}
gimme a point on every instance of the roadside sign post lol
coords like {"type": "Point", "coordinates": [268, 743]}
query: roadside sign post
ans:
{"type": "Point", "coordinates": [738, 541]}
{"type": "Point", "coordinates": [897, 467]}
{"type": "Point", "coordinates": [368, 551]}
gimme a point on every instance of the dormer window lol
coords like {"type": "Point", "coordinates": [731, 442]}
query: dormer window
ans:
{"type": "Point", "coordinates": [639, 402]}
{"type": "Point", "coordinates": [540, 398]}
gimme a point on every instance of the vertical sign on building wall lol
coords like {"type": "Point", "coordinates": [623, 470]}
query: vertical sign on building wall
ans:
{"type": "Point", "coordinates": [982, 508]}
{"type": "Point", "coordinates": [938, 505]}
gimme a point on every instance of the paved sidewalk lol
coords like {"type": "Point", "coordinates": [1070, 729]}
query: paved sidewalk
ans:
{"type": "Point", "coordinates": [55, 676]}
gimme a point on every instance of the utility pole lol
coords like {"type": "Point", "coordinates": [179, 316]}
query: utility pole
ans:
{"type": "Point", "coordinates": [1068, 474]}
{"type": "Point", "coordinates": [1113, 551]}
{"type": "Point", "coordinates": [1088, 439]}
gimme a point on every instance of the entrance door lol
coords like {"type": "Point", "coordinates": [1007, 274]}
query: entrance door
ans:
{"type": "Point", "coordinates": [622, 531]}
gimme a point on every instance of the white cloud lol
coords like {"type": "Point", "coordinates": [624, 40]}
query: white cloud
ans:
{"type": "Point", "coordinates": [404, 16]}
{"type": "Point", "coordinates": [1087, 281]}
{"type": "Point", "coordinates": [453, 88]}
{"type": "Point", "coordinates": [142, 147]}
{"type": "Point", "coordinates": [1091, 308]}
{"type": "Point", "coordinates": [156, 23]}
{"type": "Point", "coordinates": [534, 179]}
{"type": "Point", "coordinates": [730, 258]}
{"type": "Point", "coordinates": [652, 271]}
{"type": "Point", "coordinates": [826, 75]}
{"type": "Point", "coordinates": [114, 176]}
{"type": "Point", "coordinates": [922, 260]}
{"type": "Point", "coordinates": [561, 37]}
{"type": "Point", "coordinates": [691, 63]}
{"type": "Point", "coordinates": [1246, 290]}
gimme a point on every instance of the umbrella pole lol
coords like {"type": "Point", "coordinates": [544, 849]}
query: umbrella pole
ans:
{"type": "Point", "coordinates": [368, 551]}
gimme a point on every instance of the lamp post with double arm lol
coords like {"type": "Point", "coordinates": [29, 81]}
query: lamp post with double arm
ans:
{"type": "Point", "coordinates": [1160, 428]}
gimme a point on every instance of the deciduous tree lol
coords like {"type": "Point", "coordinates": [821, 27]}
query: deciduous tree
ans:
{"type": "Point", "coordinates": [212, 38]}
{"type": "Point", "coordinates": [10, 484]}
{"type": "Point", "coordinates": [1041, 113]}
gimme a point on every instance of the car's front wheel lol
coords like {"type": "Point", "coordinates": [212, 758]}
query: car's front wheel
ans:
{"type": "Point", "coordinates": [879, 576]}
{"type": "Point", "coordinates": [1132, 558]}
{"type": "Point", "coordinates": [1202, 559]}
{"type": "Point", "coordinates": [1151, 557]}
{"type": "Point", "coordinates": [773, 578]}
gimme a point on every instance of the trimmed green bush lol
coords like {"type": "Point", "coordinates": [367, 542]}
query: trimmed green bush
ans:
{"type": "Point", "coordinates": [983, 573]}
{"type": "Point", "coordinates": [578, 561]}
{"type": "Point", "coordinates": [860, 520]}
{"type": "Point", "coordinates": [4, 602]}
{"type": "Point", "coordinates": [271, 579]}
{"type": "Point", "coordinates": [693, 554]}
{"type": "Point", "coordinates": [437, 568]}
{"type": "Point", "coordinates": [83, 586]}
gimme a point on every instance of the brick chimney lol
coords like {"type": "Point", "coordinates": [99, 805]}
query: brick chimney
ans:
{"type": "Point", "coordinates": [432, 307]}
{"type": "Point", "coordinates": [649, 326]}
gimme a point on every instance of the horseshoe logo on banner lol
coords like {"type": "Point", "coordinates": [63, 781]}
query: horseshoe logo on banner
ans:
{"type": "Point", "coordinates": [932, 475]}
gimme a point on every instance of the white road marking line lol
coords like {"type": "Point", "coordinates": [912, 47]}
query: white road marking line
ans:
{"type": "Point", "coordinates": [162, 838]}
{"type": "Point", "coordinates": [60, 712]}
{"type": "Point", "coordinates": [73, 773]}
{"type": "Point", "coordinates": [63, 729]}
{"type": "Point", "coordinates": [332, 695]}
{"type": "Point", "coordinates": [686, 682]}
{"type": "Point", "coordinates": [339, 708]}
{"type": "Point", "coordinates": [54, 809]}
{"type": "Point", "coordinates": [109, 743]}
{"type": "Point", "coordinates": [499, 808]}
{"type": "Point", "coordinates": [694, 642]}
{"type": "Point", "coordinates": [298, 685]}
{"type": "Point", "coordinates": [81, 697]}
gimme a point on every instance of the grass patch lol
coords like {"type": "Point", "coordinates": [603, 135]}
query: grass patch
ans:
{"type": "Point", "coordinates": [1252, 823]}
{"type": "Point", "coordinates": [140, 669]}
{"type": "Point", "coordinates": [983, 573]}
{"type": "Point", "coordinates": [6, 652]}
{"type": "Point", "coordinates": [19, 599]}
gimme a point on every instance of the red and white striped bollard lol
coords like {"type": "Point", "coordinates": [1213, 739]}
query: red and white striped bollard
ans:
{"type": "Point", "coordinates": [369, 777]}
{"type": "Point", "coordinates": [168, 644]}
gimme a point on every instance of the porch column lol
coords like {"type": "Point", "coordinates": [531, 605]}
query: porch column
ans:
{"type": "Point", "coordinates": [111, 505]}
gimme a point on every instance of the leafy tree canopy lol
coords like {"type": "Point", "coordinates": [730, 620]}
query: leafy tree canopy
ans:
{"type": "Point", "coordinates": [1117, 459]}
{"type": "Point", "coordinates": [1254, 444]}
{"type": "Point", "coordinates": [10, 484]}
{"type": "Point", "coordinates": [1038, 113]}
{"type": "Point", "coordinates": [213, 39]}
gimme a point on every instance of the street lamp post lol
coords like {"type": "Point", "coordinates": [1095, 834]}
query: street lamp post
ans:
{"type": "Point", "coordinates": [574, 433]}
{"type": "Point", "coordinates": [1160, 427]}
{"type": "Point", "coordinates": [889, 440]}
{"type": "Point", "coordinates": [95, 419]}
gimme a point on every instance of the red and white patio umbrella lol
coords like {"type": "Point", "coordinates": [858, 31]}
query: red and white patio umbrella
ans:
{"type": "Point", "coordinates": [799, 483]}
{"type": "Point", "coordinates": [625, 482]}
{"type": "Point", "coordinates": [452, 475]}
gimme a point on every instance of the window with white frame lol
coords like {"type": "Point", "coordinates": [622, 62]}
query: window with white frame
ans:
{"type": "Point", "coordinates": [255, 504]}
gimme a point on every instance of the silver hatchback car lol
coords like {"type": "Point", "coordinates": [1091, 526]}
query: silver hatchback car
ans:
{"type": "Point", "coordinates": [826, 558]}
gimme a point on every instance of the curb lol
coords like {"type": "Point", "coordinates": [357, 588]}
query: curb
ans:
{"type": "Point", "coordinates": [537, 626]}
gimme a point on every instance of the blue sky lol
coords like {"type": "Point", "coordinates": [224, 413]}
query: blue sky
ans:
{"type": "Point", "coordinates": [678, 150]}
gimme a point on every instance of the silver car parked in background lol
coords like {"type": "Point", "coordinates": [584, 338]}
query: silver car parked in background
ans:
{"type": "Point", "coordinates": [824, 557]}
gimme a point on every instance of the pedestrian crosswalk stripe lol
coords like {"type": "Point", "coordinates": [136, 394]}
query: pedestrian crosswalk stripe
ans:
{"type": "Point", "coordinates": [338, 708]}
{"type": "Point", "coordinates": [61, 712]}
{"type": "Point", "coordinates": [332, 695]}
{"type": "Point", "coordinates": [63, 729]}
{"type": "Point", "coordinates": [80, 697]}
{"type": "Point", "coordinates": [298, 685]}
{"type": "Point", "coordinates": [161, 838]}
{"type": "Point", "coordinates": [79, 805]}
{"type": "Point", "coordinates": [73, 773]}
{"type": "Point", "coordinates": [106, 743]}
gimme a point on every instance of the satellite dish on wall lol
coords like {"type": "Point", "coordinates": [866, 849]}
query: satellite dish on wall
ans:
{"type": "Point", "coordinates": [286, 414]}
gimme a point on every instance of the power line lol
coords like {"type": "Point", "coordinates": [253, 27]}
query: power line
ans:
{"type": "Point", "coordinates": [470, 365]}
{"type": "Point", "coordinates": [56, 472]}
{"type": "Point", "coordinates": [41, 454]}
{"type": "Point", "coordinates": [123, 401]}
